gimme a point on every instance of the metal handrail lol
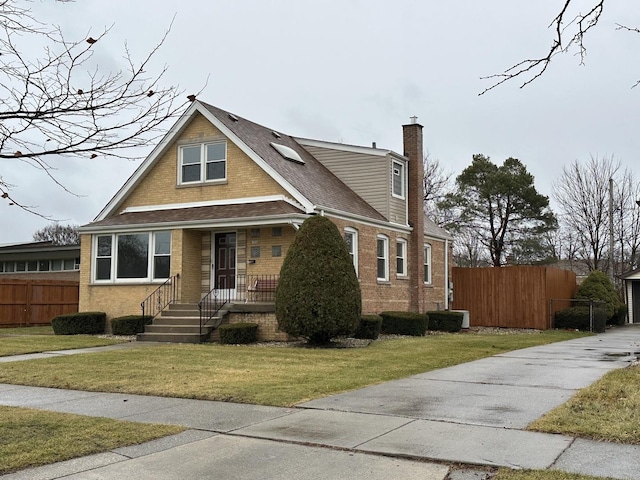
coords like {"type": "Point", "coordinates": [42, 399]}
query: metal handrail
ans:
{"type": "Point", "coordinates": [248, 288]}
{"type": "Point", "coordinates": [162, 296]}
{"type": "Point", "coordinates": [211, 304]}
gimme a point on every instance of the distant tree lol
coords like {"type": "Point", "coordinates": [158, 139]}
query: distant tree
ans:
{"type": "Point", "coordinates": [582, 192]}
{"type": "Point", "coordinates": [318, 294]}
{"type": "Point", "coordinates": [61, 104]}
{"type": "Point", "coordinates": [59, 234]}
{"type": "Point", "coordinates": [570, 27]}
{"type": "Point", "coordinates": [437, 183]}
{"type": "Point", "coordinates": [500, 205]}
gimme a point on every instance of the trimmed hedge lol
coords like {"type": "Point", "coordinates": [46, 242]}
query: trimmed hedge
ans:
{"type": "Point", "coordinates": [404, 323]}
{"type": "Point", "coordinates": [232, 333]}
{"type": "Point", "coordinates": [369, 327]}
{"type": "Point", "coordinates": [79, 323]}
{"type": "Point", "coordinates": [130, 324]}
{"type": "Point", "coordinates": [318, 294]}
{"type": "Point", "coordinates": [578, 318]}
{"type": "Point", "coordinates": [445, 321]}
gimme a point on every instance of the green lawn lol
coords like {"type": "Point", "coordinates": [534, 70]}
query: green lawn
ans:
{"type": "Point", "coordinates": [36, 339]}
{"type": "Point", "coordinates": [30, 438]}
{"type": "Point", "coordinates": [40, 330]}
{"type": "Point", "coordinates": [262, 375]}
{"type": "Point", "coordinates": [607, 410]}
{"type": "Point", "coordinates": [506, 474]}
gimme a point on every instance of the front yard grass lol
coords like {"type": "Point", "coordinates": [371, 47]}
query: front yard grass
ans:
{"type": "Point", "coordinates": [30, 438]}
{"type": "Point", "coordinates": [506, 474]}
{"type": "Point", "coordinates": [262, 375]}
{"type": "Point", "coordinates": [607, 410]}
{"type": "Point", "coordinates": [18, 344]}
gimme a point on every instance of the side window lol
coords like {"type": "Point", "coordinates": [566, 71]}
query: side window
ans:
{"type": "Point", "coordinates": [382, 254]}
{"type": "Point", "coordinates": [427, 263]}
{"type": "Point", "coordinates": [351, 239]}
{"type": "Point", "coordinates": [397, 179]}
{"type": "Point", "coordinates": [401, 257]}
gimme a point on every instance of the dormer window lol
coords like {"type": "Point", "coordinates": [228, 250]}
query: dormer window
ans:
{"type": "Point", "coordinates": [205, 162]}
{"type": "Point", "coordinates": [397, 179]}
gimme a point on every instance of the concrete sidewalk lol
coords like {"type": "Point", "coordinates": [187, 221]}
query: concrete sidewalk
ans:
{"type": "Point", "coordinates": [472, 413]}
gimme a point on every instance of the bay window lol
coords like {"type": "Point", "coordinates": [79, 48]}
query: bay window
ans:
{"type": "Point", "coordinates": [141, 256]}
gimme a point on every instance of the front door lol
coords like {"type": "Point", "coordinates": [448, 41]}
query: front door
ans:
{"type": "Point", "coordinates": [223, 267]}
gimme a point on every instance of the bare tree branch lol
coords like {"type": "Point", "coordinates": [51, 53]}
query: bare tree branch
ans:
{"type": "Point", "coordinates": [564, 39]}
{"type": "Point", "coordinates": [59, 104]}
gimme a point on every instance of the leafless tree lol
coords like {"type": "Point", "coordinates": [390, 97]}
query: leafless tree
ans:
{"type": "Point", "coordinates": [59, 234]}
{"type": "Point", "coordinates": [582, 192]}
{"type": "Point", "coordinates": [437, 183]}
{"type": "Point", "coordinates": [60, 104]}
{"type": "Point", "coordinates": [570, 27]}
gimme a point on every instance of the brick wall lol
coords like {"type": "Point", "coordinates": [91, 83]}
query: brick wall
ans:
{"type": "Point", "coordinates": [190, 271]}
{"type": "Point", "coordinates": [70, 275]}
{"type": "Point", "coordinates": [267, 326]}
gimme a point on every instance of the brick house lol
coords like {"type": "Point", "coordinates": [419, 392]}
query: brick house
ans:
{"type": "Point", "coordinates": [215, 206]}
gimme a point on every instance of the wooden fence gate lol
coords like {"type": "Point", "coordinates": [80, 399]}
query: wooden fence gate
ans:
{"type": "Point", "coordinates": [36, 302]}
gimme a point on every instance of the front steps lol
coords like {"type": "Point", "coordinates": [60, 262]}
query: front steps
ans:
{"type": "Point", "coordinates": [180, 323]}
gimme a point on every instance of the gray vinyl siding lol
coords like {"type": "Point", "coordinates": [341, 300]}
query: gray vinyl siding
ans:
{"type": "Point", "coordinates": [397, 210]}
{"type": "Point", "coordinates": [367, 175]}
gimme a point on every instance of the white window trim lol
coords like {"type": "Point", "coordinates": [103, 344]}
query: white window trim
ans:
{"type": "Point", "coordinates": [403, 242]}
{"type": "Point", "coordinates": [427, 263]}
{"type": "Point", "coordinates": [385, 239]}
{"type": "Point", "coordinates": [203, 163]}
{"type": "Point", "coordinates": [354, 245]}
{"type": "Point", "coordinates": [403, 183]}
{"type": "Point", "coordinates": [114, 259]}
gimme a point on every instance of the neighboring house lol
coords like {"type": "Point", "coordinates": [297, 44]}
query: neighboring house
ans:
{"type": "Point", "coordinates": [219, 200]}
{"type": "Point", "coordinates": [632, 294]}
{"type": "Point", "coordinates": [40, 261]}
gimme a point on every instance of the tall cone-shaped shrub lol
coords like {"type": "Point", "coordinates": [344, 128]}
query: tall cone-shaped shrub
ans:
{"type": "Point", "coordinates": [318, 294]}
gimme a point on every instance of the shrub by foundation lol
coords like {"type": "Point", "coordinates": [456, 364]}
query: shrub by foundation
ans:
{"type": "Point", "coordinates": [89, 323]}
{"type": "Point", "coordinates": [369, 327]}
{"type": "Point", "coordinates": [620, 317]}
{"type": "Point", "coordinates": [130, 324]}
{"type": "Point", "coordinates": [232, 333]}
{"type": "Point", "coordinates": [318, 293]}
{"type": "Point", "coordinates": [404, 323]}
{"type": "Point", "coordinates": [578, 318]}
{"type": "Point", "coordinates": [445, 321]}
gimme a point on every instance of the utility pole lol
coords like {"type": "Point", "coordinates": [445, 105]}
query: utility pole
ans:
{"type": "Point", "coordinates": [611, 269]}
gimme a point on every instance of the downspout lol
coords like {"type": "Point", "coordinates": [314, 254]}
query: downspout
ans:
{"type": "Point", "coordinates": [446, 274]}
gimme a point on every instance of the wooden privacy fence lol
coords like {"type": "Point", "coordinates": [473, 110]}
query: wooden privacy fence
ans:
{"type": "Point", "coordinates": [511, 297]}
{"type": "Point", "coordinates": [36, 302]}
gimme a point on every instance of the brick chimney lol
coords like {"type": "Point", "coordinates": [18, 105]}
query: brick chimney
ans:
{"type": "Point", "coordinates": [412, 144]}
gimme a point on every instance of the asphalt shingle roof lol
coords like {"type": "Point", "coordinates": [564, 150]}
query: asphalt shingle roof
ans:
{"type": "Point", "coordinates": [311, 179]}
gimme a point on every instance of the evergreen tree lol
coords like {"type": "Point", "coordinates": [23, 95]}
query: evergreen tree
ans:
{"type": "Point", "coordinates": [318, 294]}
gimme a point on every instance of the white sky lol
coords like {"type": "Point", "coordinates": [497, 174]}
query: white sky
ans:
{"type": "Point", "coordinates": [355, 71]}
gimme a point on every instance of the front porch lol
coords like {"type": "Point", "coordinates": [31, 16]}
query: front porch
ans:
{"type": "Point", "coordinates": [248, 298]}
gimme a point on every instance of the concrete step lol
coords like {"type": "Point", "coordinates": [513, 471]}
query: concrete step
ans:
{"type": "Point", "coordinates": [183, 306]}
{"type": "Point", "coordinates": [180, 313]}
{"type": "Point", "coordinates": [172, 337]}
{"type": "Point", "coordinates": [173, 329]}
{"type": "Point", "coordinates": [163, 320]}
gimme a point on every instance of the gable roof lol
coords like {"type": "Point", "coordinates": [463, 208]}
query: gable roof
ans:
{"type": "Point", "coordinates": [431, 229]}
{"type": "Point", "coordinates": [309, 182]}
{"type": "Point", "coordinates": [311, 178]}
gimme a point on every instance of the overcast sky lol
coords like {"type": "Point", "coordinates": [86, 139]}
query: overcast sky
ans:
{"type": "Point", "coordinates": [354, 71]}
